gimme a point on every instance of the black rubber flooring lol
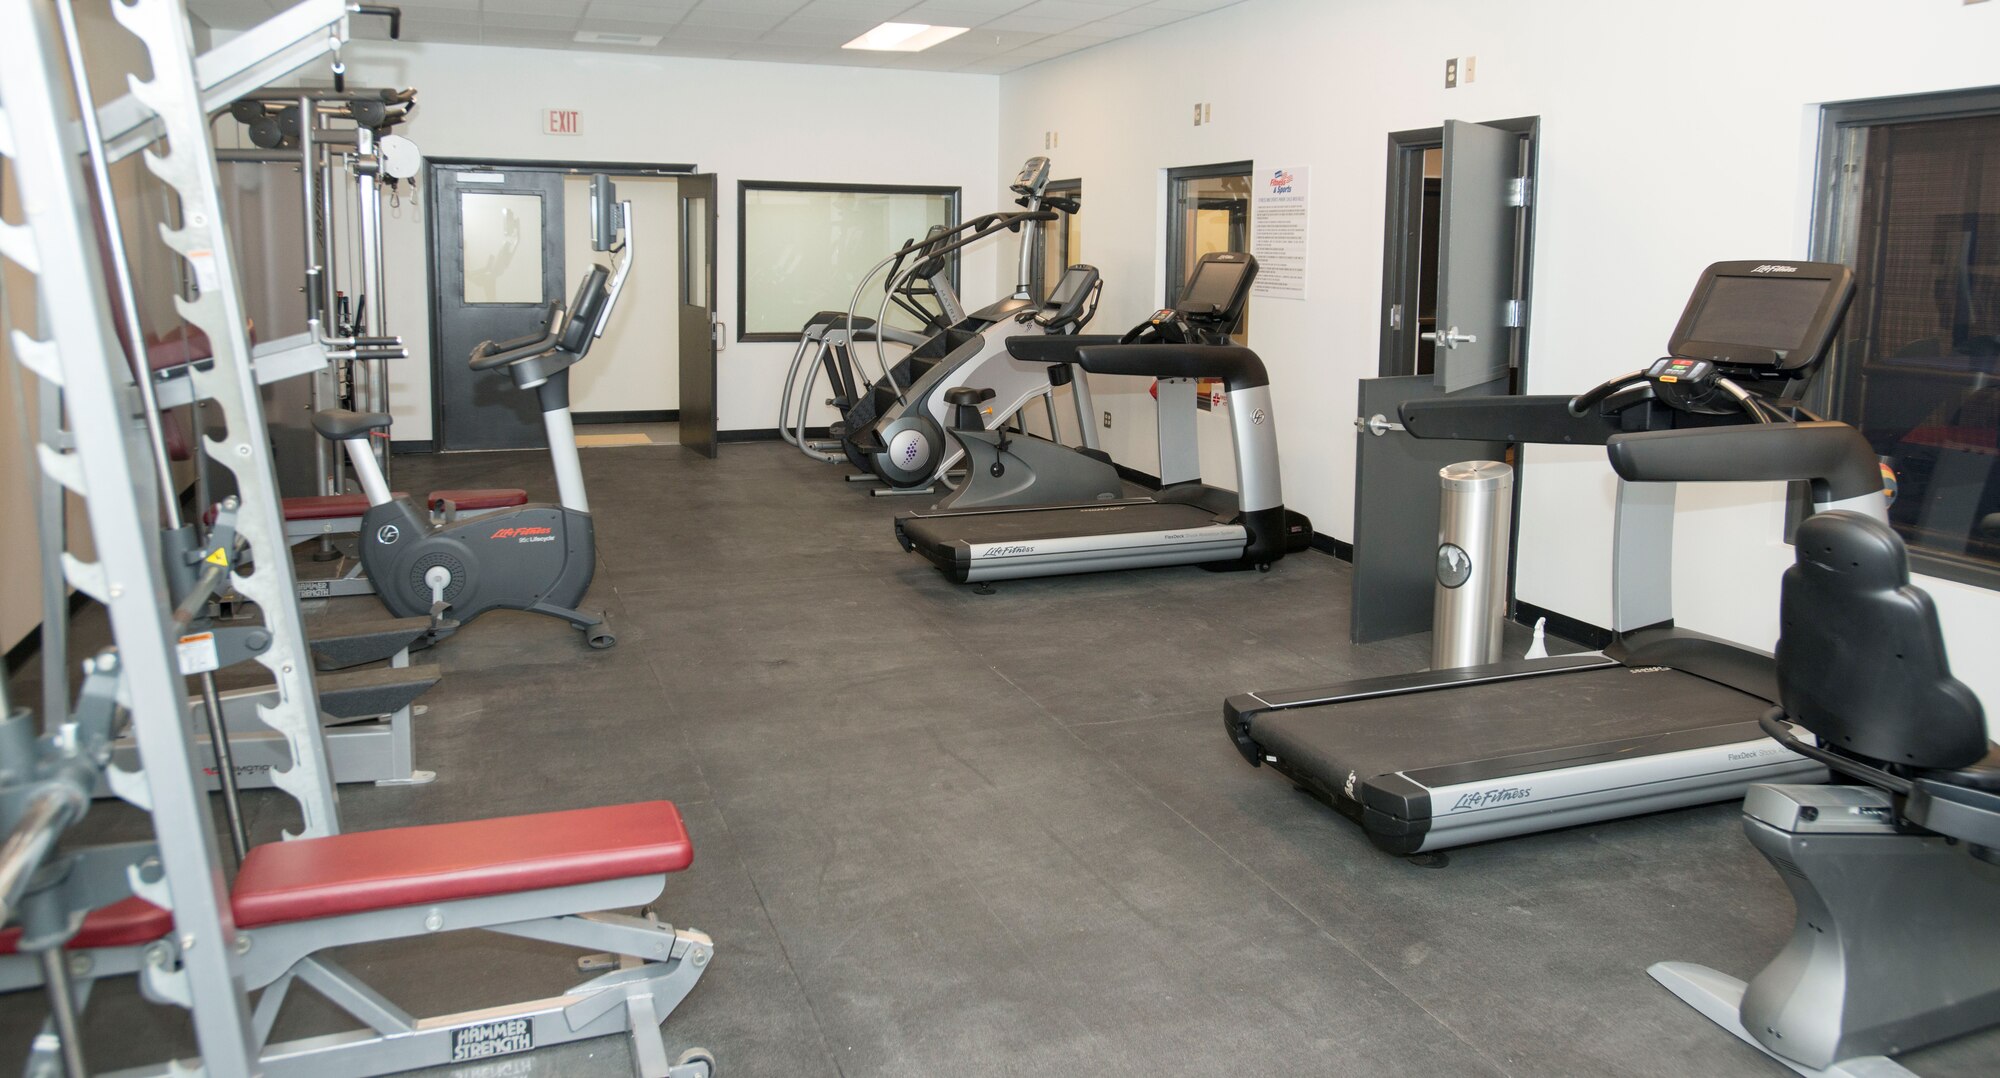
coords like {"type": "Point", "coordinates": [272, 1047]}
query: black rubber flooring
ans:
{"type": "Point", "coordinates": [940, 833]}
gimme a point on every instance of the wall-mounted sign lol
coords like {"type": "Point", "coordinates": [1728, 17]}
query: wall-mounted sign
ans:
{"type": "Point", "coordinates": [562, 122]}
{"type": "Point", "coordinates": [1278, 231]}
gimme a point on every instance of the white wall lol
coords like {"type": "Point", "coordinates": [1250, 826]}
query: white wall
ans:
{"type": "Point", "coordinates": [1673, 135]}
{"type": "Point", "coordinates": [751, 121]}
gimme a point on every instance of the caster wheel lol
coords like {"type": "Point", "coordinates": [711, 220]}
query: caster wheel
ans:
{"type": "Point", "coordinates": [1264, 568]}
{"type": "Point", "coordinates": [600, 639]}
{"type": "Point", "coordinates": [701, 1064]}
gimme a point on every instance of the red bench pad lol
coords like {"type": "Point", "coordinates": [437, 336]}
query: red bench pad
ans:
{"type": "Point", "coordinates": [121, 924]}
{"type": "Point", "coordinates": [409, 866]}
{"type": "Point", "coordinates": [495, 498]}
{"type": "Point", "coordinates": [328, 506]}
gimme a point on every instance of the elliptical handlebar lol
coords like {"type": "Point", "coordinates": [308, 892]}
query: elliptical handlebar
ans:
{"type": "Point", "coordinates": [490, 354]}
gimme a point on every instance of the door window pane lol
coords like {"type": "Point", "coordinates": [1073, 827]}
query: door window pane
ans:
{"type": "Point", "coordinates": [805, 249]}
{"type": "Point", "coordinates": [1917, 215]}
{"type": "Point", "coordinates": [503, 247]}
{"type": "Point", "coordinates": [694, 273]}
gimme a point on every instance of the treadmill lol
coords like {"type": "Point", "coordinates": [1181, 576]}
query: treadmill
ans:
{"type": "Point", "coordinates": [1187, 522]}
{"type": "Point", "coordinates": [1661, 718]}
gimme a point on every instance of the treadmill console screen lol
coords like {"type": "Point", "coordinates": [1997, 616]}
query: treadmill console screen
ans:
{"type": "Point", "coordinates": [1218, 288]}
{"type": "Point", "coordinates": [1774, 316]}
{"type": "Point", "coordinates": [1767, 312]}
{"type": "Point", "coordinates": [1075, 281]}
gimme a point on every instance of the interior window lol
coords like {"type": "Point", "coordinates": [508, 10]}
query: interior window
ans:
{"type": "Point", "coordinates": [1209, 210]}
{"type": "Point", "coordinates": [1916, 211]}
{"type": "Point", "coordinates": [806, 246]}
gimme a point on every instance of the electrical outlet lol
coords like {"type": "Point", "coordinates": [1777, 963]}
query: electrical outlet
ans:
{"type": "Point", "coordinates": [1197, 114]}
{"type": "Point", "coordinates": [1048, 140]}
{"type": "Point", "coordinates": [1107, 421]}
{"type": "Point", "coordinates": [1451, 73]}
{"type": "Point", "coordinates": [1471, 68]}
{"type": "Point", "coordinates": [1207, 113]}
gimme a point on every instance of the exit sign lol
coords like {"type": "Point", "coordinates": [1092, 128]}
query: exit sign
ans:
{"type": "Point", "coordinates": [562, 122]}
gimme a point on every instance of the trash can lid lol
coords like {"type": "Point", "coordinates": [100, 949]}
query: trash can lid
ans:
{"type": "Point", "coordinates": [1476, 475]}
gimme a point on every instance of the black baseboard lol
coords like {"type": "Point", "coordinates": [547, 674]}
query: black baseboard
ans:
{"type": "Point", "coordinates": [407, 448]}
{"type": "Point", "coordinates": [1564, 626]}
{"type": "Point", "coordinates": [30, 645]}
{"type": "Point", "coordinates": [1134, 475]}
{"type": "Point", "coordinates": [748, 434]}
{"type": "Point", "coordinates": [1327, 544]}
{"type": "Point", "coordinates": [657, 415]}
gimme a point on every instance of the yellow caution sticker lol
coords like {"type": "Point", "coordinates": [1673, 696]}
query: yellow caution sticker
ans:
{"type": "Point", "coordinates": [220, 557]}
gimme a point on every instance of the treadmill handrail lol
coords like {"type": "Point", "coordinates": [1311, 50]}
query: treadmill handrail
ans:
{"type": "Point", "coordinates": [1055, 348]}
{"type": "Point", "coordinates": [1839, 463]}
{"type": "Point", "coordinates": [1239, 368]}
{"type": "Point", "coordinates": [1544, 419]}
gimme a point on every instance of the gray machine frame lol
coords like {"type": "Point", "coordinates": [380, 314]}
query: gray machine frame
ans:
{"type": "Point", "coordinates": [205, 963]}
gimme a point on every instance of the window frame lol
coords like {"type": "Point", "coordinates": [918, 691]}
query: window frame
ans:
{"type": "Point", "coordinates": [743, 189]}
{"type": "Point", "coordinates": [1833, 205]}
{"type": "Point", "coordinates": [1177, 235]}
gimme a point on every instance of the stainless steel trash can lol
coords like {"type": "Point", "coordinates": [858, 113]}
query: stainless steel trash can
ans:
{"type": "Point", "coordinates": [1473, 529]}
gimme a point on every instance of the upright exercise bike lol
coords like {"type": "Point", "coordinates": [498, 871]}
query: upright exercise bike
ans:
{"type": "Point", "coordinates": [538, 557]}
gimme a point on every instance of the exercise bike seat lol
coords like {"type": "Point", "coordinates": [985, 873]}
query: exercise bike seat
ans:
{"type": "Point", "coordinates": [340, 424]}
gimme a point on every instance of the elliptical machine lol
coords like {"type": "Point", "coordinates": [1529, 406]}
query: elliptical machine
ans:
{"type": "Point", "coordinates": [897, 433]}
{"type": "Point", "coordinates": [538, 558]}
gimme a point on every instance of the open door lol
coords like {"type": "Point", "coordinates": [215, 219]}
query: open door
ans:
{"type": "Point", "coordinates": [1475, 254]}
{"type": "Point", "coordinates": [1479, 262]}
{"type": "Point", "coordinates": [698, 327]}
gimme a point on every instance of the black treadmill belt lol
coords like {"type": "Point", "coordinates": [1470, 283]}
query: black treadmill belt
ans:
{"type": "Point", "coordinates": [1415, 731]}
{"type": "Point", "coordinates": [1027, 525]}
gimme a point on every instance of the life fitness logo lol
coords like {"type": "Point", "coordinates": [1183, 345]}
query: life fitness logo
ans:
{"type": "Point", "coordinates": [526, 535]}
{"type": "Point", "coordinates": [1768, 268]}
{"type": "Point", "coordinates": [1281, 182]}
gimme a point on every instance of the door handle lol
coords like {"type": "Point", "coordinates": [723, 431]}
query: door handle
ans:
{"type": "Point", "coordinates": [1450, 338]}
{"type": "Point", "coordinates": [717, 335]}
{"type": "Point", "coordinates": [1377, 424]}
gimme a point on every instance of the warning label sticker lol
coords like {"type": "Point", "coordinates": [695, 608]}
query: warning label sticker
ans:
{"type": "Point", "coordinates": [492, 1039]}
{"type": "Point", "coordinates": [197, 653]}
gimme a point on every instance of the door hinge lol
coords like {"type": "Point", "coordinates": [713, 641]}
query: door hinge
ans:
{"type": "Point", "coordinates": [1516, 314]}
{"type": "Point", "coordinates": [1519, 191]}
{"type": "Point", "coordinates": [1395, 316]}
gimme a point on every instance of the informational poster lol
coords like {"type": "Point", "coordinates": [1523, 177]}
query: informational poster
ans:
{"type": "Point", "coordinates": [1278, 231]}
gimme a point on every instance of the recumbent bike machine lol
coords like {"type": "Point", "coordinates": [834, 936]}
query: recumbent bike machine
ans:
{"type": "Point", "coordinates": [537, 558]}
{"type": "Point", "coordinates": [1896, 880]}
{"type": "Point", "coordinates": [1441, 758]}
{"type": "Point", "coordinates": [983, 531]}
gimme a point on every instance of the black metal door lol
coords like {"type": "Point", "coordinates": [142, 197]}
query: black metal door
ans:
{"type": "Point", "coordinates": [697, 300]}
{"type": "Point", "coordinates": [497, 245]}
{"type": "Point", "coordinates": [1396, 503]}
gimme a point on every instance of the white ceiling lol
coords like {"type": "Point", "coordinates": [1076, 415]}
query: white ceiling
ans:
{"type": "Point", "coordinates": [1005, 35]}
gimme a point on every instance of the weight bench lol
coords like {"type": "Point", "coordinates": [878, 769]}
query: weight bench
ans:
{"type": "Point", "coordinates": [326, 515]}
{"type": "Point", "coordinates": [547, 876]}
